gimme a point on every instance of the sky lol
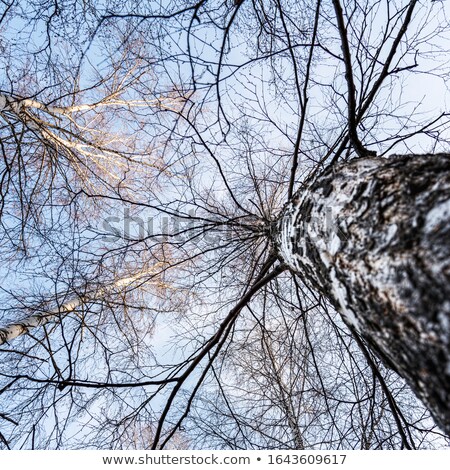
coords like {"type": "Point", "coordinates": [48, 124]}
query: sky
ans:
{"type": "Point", "coordinates": [238, 92]}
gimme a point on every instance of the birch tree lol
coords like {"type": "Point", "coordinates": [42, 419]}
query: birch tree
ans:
{"type": "Point", "coordinates": [239, 200]}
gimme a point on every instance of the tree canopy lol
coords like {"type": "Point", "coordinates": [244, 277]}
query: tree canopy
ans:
{"type": "Point", "coordinates": [148, 152]}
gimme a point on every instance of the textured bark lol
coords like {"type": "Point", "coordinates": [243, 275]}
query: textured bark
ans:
{"type": "Point", "coordinates": [373, 235]}
{"type": "Point", "coordinates": [20, 327]}
{"type": "Point", "coordinates": [23, 326]}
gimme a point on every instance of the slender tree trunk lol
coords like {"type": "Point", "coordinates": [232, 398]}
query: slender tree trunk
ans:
{"type": "Point", "coordinates": [373, 236]}
{"type": "Point", "coordinates": [41, 317]}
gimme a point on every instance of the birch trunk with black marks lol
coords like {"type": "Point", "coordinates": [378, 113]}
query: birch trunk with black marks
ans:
{"type": "Point", "coordinates": [373, 236]}
{"type": "Point", "coordinates": [41, 316]}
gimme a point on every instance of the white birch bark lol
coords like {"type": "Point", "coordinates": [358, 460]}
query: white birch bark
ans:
{"type": "Point", "coordinates": [17, 328]}
{"type": "Point", "coordinates": [70, 127]}
{"type": "Point", "coordinates": [373, 236]}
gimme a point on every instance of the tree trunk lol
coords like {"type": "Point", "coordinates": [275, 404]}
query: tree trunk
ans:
{"type": "Point", "coordinates": [43, 316]}
{"type": "Point", "coordinates": [373, 236]}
